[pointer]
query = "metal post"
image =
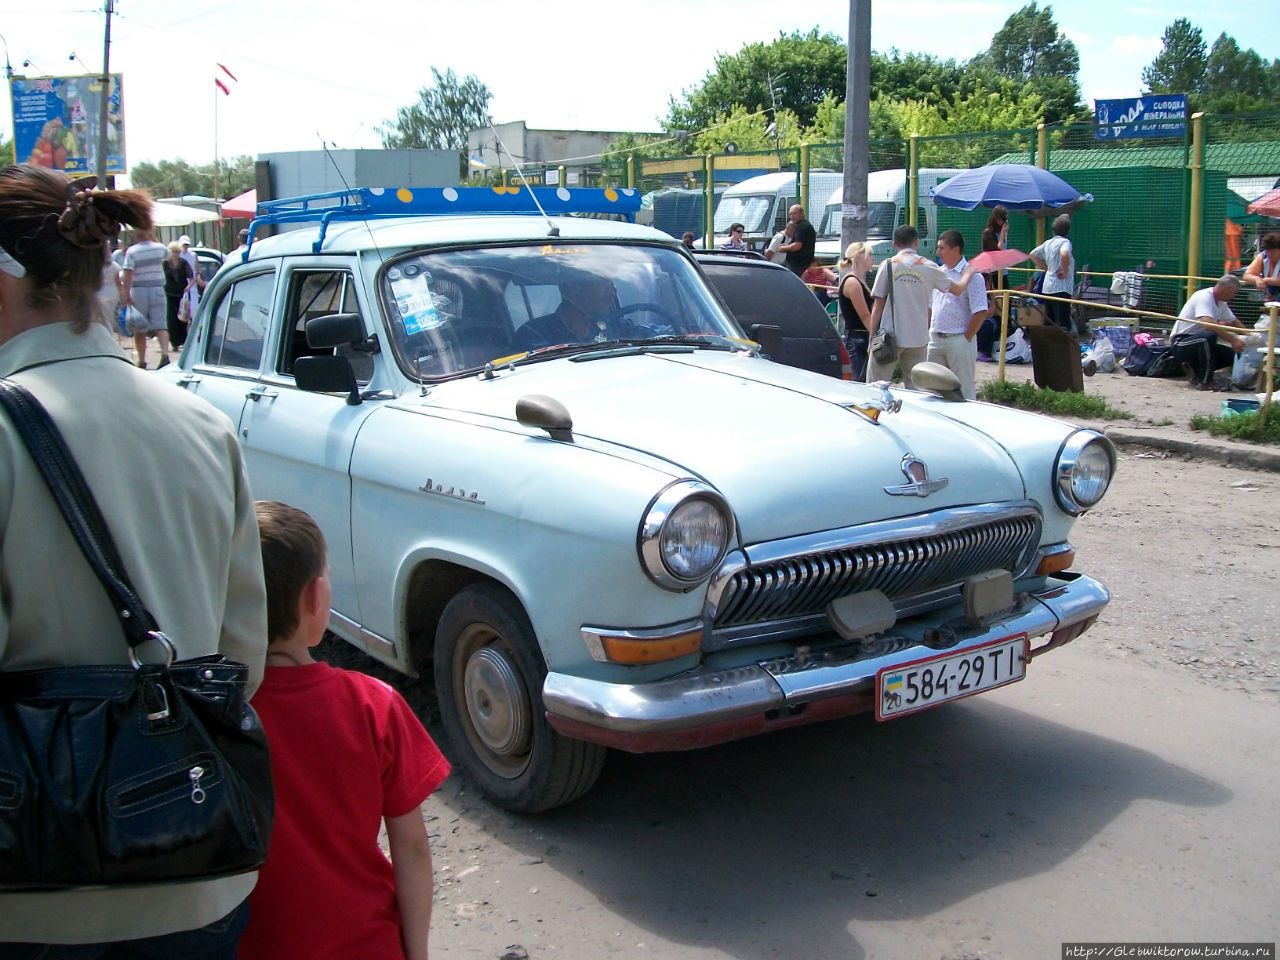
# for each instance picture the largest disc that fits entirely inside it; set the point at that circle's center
(1269, 366)
(857, 125)
(1042, 161)
(1197, 201)
(913, 178)
(1004, 333)
(103, 112)
(803, 181)
(708, 233)
(631, 170)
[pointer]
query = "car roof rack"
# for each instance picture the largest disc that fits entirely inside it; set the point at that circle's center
(380, 203)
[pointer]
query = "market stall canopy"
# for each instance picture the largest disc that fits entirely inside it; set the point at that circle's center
(1018, 186)
(1268, 204)
(243, 207)
(176, 215)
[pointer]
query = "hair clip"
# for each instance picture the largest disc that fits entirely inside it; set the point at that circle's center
(11, 266)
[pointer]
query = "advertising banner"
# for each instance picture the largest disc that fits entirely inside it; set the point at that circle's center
(55, 122)
(1155, 115)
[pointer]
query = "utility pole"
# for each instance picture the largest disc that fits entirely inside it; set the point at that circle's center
(857, 125)
(105, 97)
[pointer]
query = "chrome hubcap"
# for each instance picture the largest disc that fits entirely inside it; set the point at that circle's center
(499, 711)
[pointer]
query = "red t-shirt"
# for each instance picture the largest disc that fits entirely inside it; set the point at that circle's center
(346, 751)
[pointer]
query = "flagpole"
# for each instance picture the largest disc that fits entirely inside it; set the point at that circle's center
(215, 139)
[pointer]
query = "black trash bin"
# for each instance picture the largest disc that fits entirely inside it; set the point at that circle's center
(1055, 358)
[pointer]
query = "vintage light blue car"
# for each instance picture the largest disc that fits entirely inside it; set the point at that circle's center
(552, 474)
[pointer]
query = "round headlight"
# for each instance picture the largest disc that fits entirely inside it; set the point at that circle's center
(684, 535)
(1085, 466)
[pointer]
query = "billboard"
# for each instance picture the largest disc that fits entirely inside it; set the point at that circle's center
(1155, 115)
(55, 122)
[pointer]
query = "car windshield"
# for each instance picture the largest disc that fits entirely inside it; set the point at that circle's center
(454, 311)
(750, 210)
(880, 219)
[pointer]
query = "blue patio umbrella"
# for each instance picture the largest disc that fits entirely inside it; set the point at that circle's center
(1018, 186)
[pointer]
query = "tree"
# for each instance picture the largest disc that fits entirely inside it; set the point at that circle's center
(1237, 81)
(443, 116)
(6, 152)
(177, 178)
(917, 76)
(793, 72)
(1030, 49)
(1180, 67)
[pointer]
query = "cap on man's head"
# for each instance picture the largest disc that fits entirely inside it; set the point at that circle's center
(184, 240)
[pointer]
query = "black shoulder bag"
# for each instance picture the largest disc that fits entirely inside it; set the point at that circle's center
(135, 774)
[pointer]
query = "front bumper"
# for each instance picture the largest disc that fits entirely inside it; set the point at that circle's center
(819, 681)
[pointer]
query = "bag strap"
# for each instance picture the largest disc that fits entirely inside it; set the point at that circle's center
(76, 502)
(889, 264)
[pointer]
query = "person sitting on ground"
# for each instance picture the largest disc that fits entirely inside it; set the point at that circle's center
(347, 755)
(1200, 349)
(1264, 271)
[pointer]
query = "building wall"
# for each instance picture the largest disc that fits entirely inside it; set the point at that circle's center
(577, 147)
(302, 172)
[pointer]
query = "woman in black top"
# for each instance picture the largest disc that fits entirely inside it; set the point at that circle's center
(855, 303)
(177, 277)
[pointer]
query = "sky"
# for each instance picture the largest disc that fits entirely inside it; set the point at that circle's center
(329, 72)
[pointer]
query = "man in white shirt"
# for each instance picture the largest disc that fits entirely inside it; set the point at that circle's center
(772, 252)
(1203, 350)
(1058, 261)
(907, 314)
(955, 320)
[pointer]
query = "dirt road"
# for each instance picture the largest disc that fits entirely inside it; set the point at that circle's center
(1124, 791)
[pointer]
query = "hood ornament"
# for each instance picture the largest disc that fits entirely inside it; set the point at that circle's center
(918, 474)
(885, 403)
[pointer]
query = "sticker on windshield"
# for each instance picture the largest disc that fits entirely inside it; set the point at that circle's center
(415, 304)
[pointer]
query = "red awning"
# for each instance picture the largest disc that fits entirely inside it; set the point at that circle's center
(243, 207)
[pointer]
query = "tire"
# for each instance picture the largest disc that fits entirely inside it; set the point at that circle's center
(488, 677)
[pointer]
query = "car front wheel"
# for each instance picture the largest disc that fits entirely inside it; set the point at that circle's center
(488, 676)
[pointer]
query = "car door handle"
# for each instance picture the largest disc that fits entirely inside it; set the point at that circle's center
(188, 381)
(262, 393)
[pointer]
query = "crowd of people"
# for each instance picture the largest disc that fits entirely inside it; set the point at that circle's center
(222, 576)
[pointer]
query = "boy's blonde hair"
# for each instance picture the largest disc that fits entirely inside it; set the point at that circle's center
(293, 554)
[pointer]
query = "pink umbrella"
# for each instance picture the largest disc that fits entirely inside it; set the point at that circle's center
(990, 260)
(1268, 204)
(243, 207)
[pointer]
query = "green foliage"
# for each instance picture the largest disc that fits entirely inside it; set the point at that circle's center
(441, 119)
(1180, 67)
(828, 122)
(177, 178)
(917, 76)
(6, 152)
(1025, 395)
(750, 131)
(1032, 53)
(795, 72)
(1252, 427)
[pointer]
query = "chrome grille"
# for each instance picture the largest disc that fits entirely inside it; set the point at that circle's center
(799, 586)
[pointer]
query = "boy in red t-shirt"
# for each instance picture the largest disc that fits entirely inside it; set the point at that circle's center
(347, 753)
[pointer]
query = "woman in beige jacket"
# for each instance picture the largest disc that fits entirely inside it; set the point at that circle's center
(167, 471)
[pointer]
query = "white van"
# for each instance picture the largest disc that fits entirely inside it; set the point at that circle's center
(886, 211)
(760, 204)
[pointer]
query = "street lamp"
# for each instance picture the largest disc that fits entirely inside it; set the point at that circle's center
(8, 68)
(72, 56)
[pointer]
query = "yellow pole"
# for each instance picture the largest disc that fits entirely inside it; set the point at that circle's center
(804, 178)
(1042, 161)
(1270, 365)
(913, 179)
(1004, 332)
(1197, 198)
(631, 171)
(708, 233)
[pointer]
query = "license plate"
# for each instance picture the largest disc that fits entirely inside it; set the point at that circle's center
(926, 683)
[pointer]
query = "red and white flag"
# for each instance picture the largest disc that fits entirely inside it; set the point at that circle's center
(220, 82)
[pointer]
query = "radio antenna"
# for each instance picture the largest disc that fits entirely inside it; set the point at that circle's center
(552, 229)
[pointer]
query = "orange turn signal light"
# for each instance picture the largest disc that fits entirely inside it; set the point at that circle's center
(651, 649)
(1056, 562)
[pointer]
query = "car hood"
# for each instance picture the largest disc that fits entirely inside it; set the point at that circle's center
(784, 446)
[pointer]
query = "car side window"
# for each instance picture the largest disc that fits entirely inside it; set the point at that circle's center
(922, 221)
(239, 323)
(318, 293)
